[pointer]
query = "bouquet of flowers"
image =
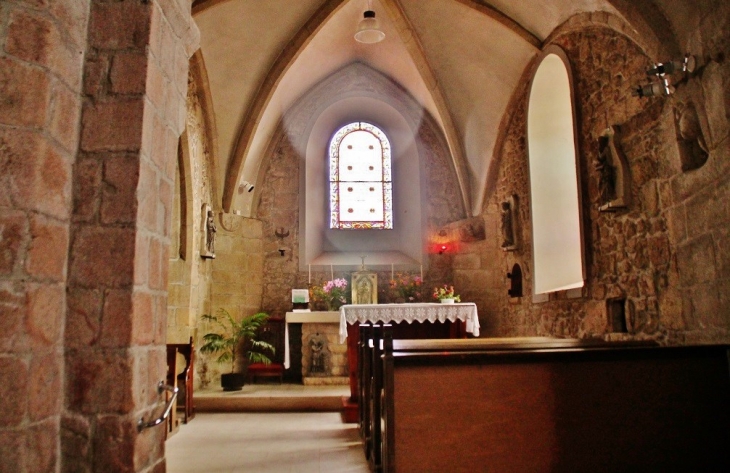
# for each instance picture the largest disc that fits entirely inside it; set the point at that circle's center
(333, 293)
(406, 288)
(445, 292)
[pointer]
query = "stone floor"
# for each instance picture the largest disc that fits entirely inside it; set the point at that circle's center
(315, 442)
(276, 390)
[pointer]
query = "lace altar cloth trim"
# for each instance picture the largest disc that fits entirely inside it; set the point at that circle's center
(361, 313)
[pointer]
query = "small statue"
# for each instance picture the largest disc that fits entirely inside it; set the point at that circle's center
(606, 173)
(507, 209)
(614, 175)
(210, 228)
(317, 346)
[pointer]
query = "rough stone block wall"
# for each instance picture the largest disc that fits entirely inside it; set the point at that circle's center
(236, 276)
(278, 211)
(40, 106)
(189, 274)
(237, 270)
(134, 83)
(664, 256)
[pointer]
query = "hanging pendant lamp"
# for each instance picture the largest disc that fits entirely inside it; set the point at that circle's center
(368, 31)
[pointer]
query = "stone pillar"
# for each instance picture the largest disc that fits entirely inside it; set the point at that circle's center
(135, 78)
(40, 102)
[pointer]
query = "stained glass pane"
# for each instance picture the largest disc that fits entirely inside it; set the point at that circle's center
(360, 178)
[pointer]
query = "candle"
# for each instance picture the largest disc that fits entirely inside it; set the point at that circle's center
(392, 276)
(421, 273)
(310, 274)
(332, 273)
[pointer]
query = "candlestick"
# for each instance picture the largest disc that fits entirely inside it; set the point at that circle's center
(421, 273)
(332, 273)
(310, 274)
(392, 277)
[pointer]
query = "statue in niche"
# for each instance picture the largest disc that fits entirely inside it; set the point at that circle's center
(508, 218)
(209, 231)
(693, 148)
(614, 178)
(606, 176)
(318, 348)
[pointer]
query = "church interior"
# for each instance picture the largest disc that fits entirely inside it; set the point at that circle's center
(563, 167)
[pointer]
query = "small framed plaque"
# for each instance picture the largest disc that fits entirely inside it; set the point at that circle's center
(300, 296)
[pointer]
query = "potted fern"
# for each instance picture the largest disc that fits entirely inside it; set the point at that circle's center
(234, 334)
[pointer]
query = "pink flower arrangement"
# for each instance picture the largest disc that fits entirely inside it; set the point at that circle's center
(333, 293)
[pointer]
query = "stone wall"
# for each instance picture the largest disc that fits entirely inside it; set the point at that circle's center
(189, 281)
(135, 70)
(663, 259)
(41, 65)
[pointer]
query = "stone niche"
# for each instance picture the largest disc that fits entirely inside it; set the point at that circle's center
(324, 358)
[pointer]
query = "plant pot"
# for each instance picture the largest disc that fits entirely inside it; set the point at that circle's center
(232, 381)
(447, 301)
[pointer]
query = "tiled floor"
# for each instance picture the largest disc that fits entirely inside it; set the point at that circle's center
(291, 442)
(266, 443)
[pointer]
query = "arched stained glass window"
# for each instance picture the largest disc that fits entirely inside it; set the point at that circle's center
(361, 189)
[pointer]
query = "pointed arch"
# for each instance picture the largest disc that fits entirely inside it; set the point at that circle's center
(266, 92)
(290, 53)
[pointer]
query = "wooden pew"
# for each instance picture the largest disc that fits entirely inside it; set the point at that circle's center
(185, 379)
(551, 405)
(370, 382)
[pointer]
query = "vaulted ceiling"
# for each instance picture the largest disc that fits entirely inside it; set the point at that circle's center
(460, 59)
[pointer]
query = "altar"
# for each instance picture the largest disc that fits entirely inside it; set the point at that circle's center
(417, 312)
(458, 319)
(323, 357)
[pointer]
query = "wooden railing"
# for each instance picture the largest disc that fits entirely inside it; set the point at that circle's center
(541, 404)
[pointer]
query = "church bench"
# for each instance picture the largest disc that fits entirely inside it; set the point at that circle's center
(182, 376)
(271, 370)
(546, 405)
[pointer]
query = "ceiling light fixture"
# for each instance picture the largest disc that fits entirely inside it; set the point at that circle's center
(368, 31)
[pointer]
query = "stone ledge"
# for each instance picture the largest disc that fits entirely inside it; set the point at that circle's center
(326, 380)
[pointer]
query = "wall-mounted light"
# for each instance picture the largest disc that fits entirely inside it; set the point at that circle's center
(245, 186)
(281, 233)
(662, 71)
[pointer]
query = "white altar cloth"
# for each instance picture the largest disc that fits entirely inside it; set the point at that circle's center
(422, 312)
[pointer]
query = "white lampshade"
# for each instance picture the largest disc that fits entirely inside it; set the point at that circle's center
(368, 31)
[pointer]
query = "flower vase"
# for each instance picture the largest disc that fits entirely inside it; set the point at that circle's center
(447, 300)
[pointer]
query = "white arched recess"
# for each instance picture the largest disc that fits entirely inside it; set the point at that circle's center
(359, 93)
(557, 235)
(403, 244)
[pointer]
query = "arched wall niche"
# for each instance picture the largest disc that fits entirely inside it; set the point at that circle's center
(555, 193)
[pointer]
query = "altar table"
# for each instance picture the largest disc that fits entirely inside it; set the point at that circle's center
(418, 312)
